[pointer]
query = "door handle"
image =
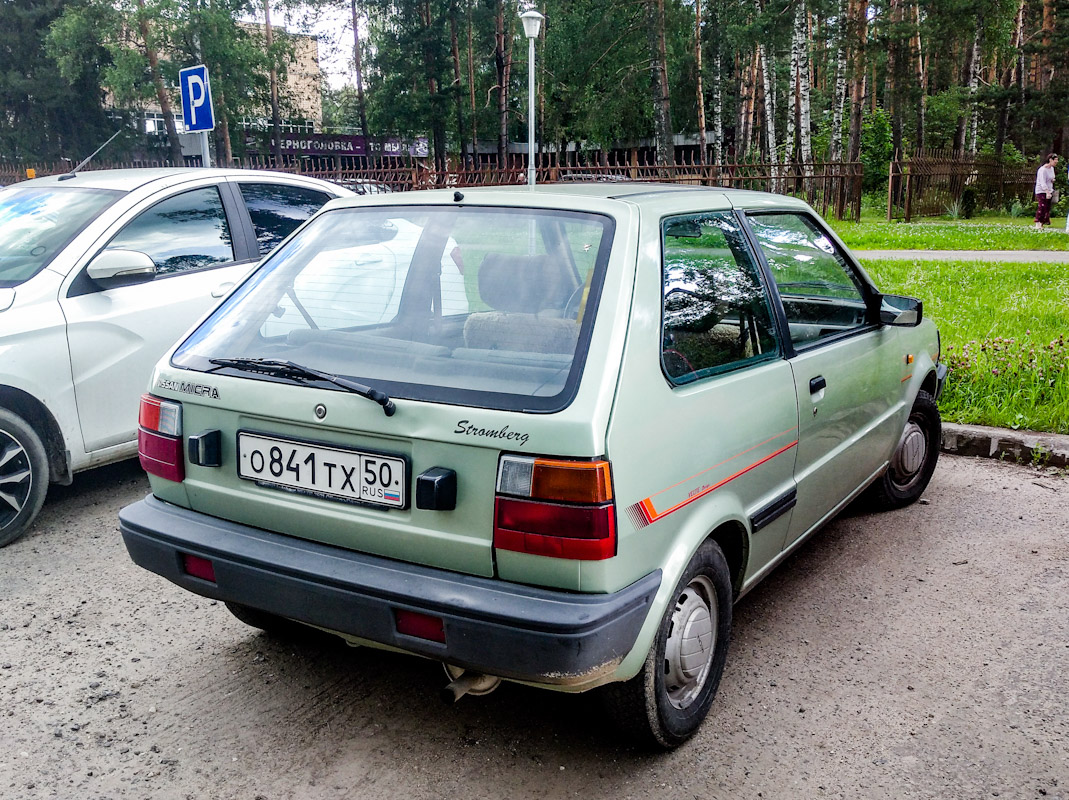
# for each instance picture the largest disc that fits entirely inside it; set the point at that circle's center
(817, 384)
(222, 289)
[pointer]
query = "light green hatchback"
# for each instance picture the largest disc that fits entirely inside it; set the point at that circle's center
(548, 435)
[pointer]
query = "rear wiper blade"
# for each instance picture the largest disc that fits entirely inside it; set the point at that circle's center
(296, 372)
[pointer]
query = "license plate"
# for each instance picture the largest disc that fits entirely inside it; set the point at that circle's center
(345, 474)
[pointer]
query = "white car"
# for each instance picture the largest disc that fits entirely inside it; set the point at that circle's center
(100, 273)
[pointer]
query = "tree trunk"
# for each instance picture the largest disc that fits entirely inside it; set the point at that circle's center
(974, 81)
(698, 72)
(805, 136)
(769, 87)
(1044, 59)
(922, 80)
(471, 91)
(857, 88)
(792, 91)
(718, 107)
(1010, 75)
(361, 105)
(454, 42)
(502, 58)
(276, 121)
(835, 149)
(662, 106)
(161, 92)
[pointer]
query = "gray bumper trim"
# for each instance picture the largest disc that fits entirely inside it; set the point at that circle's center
(499, 628)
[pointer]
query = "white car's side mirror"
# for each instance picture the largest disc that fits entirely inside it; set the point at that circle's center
(112, 268)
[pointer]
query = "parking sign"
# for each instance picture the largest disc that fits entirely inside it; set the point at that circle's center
(196, 99)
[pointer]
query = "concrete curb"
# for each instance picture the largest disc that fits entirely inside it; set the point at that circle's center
(1041, 449)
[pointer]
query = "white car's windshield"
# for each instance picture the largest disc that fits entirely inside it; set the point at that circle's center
(37, 222)
(487, 306)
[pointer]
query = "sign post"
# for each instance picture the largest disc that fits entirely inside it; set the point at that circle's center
(197, 106)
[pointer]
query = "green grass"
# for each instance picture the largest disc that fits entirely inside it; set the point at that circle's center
(1005, 330)
(983, 233)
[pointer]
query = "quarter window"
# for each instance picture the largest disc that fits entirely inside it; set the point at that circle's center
(716, 310)
(821, 295)
(184, 232)
(276, 210)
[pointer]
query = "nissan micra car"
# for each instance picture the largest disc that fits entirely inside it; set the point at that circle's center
(562, 469)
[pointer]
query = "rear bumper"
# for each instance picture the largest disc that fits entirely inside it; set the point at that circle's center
(505, 629)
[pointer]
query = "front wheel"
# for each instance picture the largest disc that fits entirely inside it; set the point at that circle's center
(23, 476)
(666, 702)
(914, 460)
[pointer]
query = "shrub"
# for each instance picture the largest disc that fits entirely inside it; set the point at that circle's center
(1016, 209)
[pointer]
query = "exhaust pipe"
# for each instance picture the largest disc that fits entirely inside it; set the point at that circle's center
(464, 682)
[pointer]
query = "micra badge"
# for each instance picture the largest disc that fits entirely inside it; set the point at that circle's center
(198, 389)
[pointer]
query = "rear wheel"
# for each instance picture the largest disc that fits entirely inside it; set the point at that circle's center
(23, 476)
(665, 703)
(914, 460)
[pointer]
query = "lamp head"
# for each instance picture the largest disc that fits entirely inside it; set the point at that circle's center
(532, 23)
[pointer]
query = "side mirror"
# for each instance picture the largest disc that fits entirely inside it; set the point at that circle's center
(900, 311)
(113, 268)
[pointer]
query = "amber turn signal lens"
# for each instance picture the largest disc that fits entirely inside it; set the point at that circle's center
(571, 481)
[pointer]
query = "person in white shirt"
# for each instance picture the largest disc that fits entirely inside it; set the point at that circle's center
(1045, 190)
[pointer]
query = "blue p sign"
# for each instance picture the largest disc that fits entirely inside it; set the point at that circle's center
(196, 99)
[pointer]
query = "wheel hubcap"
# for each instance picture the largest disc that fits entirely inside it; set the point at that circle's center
(911, 454)
(15, 480)
(688, 653)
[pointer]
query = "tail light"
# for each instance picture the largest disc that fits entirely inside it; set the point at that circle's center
(562, 509)
(159, 438)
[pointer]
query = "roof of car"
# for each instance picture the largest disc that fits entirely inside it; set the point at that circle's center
(127, 180)
(634, 192)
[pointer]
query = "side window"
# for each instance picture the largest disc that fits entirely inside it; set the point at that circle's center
(821, 294)
(716, 310)
(276, 210)
(184, 232)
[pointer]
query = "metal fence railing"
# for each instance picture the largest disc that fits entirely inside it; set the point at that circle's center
(933, 183)
(833, 188)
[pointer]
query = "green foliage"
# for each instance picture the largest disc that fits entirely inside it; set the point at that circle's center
(1016, 209)
(981, 234)
(875, 149)
(44, 116)
(1004, 333)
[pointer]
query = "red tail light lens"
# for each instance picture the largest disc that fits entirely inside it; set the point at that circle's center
(159, 438)
(561, 509)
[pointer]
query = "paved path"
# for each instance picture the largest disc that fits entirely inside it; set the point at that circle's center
(1051, 256)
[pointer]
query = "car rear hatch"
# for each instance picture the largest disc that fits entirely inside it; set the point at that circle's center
(478, 326)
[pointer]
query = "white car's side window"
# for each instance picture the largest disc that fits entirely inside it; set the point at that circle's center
(184, 232)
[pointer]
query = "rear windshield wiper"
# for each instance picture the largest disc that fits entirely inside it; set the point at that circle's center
(295, 372)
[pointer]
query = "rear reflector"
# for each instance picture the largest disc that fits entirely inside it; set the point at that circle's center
(161, 455)
(422, 626)
(198, 567)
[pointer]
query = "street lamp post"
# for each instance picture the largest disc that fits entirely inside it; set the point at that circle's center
(532, 23)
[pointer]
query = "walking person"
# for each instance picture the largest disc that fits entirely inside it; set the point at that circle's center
(1045, 190)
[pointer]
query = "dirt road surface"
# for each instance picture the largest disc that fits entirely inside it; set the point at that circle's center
(918, 654)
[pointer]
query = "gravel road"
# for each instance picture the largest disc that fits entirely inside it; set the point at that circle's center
(918, 654)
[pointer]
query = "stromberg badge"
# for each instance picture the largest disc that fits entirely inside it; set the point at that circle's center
(321, 411)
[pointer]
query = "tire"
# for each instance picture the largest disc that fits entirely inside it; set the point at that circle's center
(667, 701)
(23, 476)
(271, 624)
(914, 459)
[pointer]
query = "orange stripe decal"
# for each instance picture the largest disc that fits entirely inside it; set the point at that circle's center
(643, 513)
(906, 378)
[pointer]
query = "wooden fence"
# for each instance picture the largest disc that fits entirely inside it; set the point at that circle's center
(832, 188)
(934, 183)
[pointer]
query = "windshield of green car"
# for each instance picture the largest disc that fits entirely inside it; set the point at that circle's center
(469, 305)
(37, 222)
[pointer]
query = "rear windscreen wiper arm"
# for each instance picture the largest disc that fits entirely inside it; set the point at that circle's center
(287, 369)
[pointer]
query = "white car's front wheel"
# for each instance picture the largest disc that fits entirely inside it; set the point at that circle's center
(23, 476)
